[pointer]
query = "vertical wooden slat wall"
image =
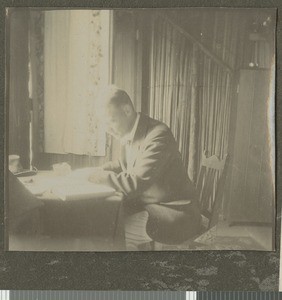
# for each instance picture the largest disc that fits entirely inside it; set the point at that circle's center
(18, 96)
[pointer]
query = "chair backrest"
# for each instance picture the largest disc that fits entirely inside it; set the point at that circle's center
(210, 185)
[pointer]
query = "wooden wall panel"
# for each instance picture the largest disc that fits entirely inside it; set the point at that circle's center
(126, 55)
(266, 183)
(251, 196)
(18, 97)
(127, 60)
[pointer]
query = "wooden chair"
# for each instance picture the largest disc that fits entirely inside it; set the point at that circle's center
(174, 222)
(210, 185)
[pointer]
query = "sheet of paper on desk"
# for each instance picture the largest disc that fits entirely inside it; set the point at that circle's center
(34, 185)
(80, 191)
(83, 173)
(48, 180)
(36, 189)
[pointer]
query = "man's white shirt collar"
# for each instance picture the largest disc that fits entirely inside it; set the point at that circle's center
(130, 136)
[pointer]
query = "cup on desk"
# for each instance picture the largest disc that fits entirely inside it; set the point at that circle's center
(14, 163)
(61, 169)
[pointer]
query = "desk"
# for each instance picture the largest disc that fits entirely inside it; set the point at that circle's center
(97, 222)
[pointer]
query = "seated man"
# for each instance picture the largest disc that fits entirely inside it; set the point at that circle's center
(149, 173)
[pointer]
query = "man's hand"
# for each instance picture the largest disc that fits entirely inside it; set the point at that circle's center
(101, 177)
(112, 166)
(118, 196)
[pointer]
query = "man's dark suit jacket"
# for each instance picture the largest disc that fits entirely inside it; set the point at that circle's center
(158, 174)
(157, 183)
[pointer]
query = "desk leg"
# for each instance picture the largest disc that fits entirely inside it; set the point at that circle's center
(119, 235)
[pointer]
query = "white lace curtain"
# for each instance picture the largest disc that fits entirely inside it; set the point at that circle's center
(76, 64)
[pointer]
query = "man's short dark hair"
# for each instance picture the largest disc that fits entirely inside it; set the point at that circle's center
(116, 96)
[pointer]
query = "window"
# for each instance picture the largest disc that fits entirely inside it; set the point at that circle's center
(76, 65)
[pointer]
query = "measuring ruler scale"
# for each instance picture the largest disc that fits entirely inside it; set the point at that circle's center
(135, 295)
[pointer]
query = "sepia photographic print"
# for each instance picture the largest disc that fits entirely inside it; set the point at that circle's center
(140, 129)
